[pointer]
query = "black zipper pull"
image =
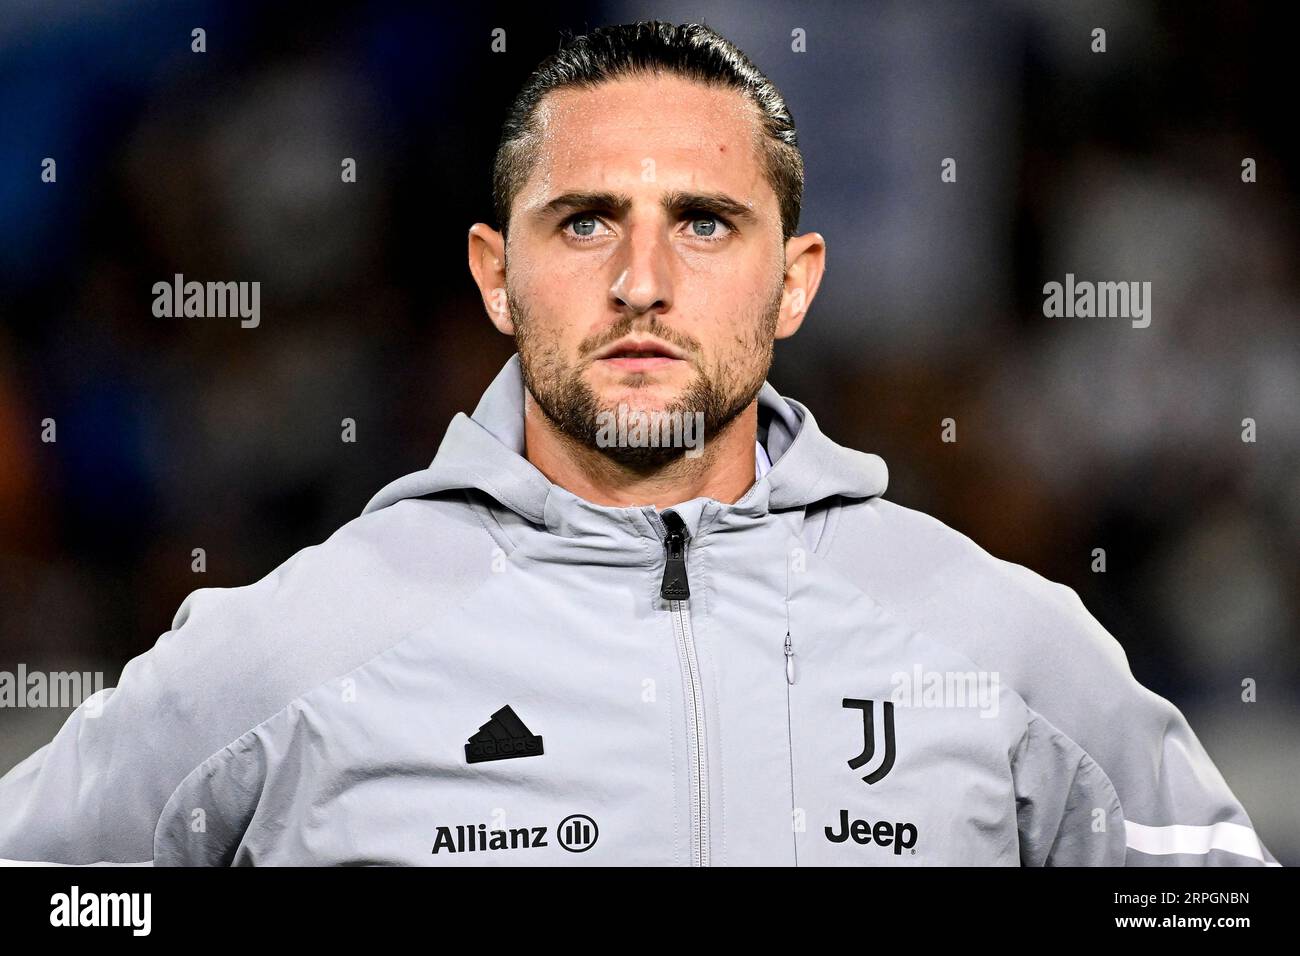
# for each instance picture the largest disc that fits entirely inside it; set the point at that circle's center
(675, 586)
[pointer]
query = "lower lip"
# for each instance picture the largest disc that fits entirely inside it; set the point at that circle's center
(640, 364)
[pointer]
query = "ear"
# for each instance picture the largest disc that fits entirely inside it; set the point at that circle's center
(487, 262)
(805, 258)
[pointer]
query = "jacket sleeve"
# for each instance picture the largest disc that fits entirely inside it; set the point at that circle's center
(1067, 811)
(90, 794)
(1178, 810)
(1177, 807)
(95, 792)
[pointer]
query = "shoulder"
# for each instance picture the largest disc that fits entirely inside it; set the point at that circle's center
(233, 659)
(1002, 614)
(904, 546)
(1035, 634)
(372, 555)
(236, 656)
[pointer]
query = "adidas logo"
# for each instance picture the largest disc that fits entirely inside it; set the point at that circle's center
(502, 737)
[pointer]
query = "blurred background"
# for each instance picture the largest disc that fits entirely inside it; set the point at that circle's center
(1073, 434)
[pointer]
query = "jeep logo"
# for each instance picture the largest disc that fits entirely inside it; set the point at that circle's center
(901, 836)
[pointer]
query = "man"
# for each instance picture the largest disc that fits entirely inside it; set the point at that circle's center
(639, 610)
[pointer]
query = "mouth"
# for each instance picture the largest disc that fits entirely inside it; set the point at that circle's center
(638, 355)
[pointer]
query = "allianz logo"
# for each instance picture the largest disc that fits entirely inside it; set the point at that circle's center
(576, 833)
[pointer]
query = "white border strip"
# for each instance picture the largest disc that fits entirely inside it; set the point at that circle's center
(1183, 838)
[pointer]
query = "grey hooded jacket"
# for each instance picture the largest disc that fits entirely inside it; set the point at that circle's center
(483, 668)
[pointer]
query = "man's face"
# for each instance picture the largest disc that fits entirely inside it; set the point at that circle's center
(645, 259)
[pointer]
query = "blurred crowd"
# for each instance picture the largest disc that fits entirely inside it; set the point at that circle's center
(1073, 434)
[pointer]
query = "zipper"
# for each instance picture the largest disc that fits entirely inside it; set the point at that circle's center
(789, 729)
(676, 590)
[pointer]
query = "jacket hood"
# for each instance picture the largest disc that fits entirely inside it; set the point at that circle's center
(484, 451)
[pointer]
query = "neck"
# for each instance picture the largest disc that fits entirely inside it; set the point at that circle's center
(723, 471)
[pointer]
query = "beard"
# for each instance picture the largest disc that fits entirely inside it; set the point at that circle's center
(714, 397)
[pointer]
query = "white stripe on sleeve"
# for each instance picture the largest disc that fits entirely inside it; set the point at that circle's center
(1184, 838)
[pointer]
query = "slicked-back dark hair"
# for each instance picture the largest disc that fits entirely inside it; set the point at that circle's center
(691, 51)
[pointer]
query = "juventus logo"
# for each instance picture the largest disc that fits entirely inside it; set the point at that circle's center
(869, 731)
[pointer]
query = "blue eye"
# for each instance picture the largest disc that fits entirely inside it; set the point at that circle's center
(584, 226)
(706, 226)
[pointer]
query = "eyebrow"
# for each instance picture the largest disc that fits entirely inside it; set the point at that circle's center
(675, 203)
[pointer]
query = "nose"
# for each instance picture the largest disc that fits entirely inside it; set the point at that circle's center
(644, 280)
